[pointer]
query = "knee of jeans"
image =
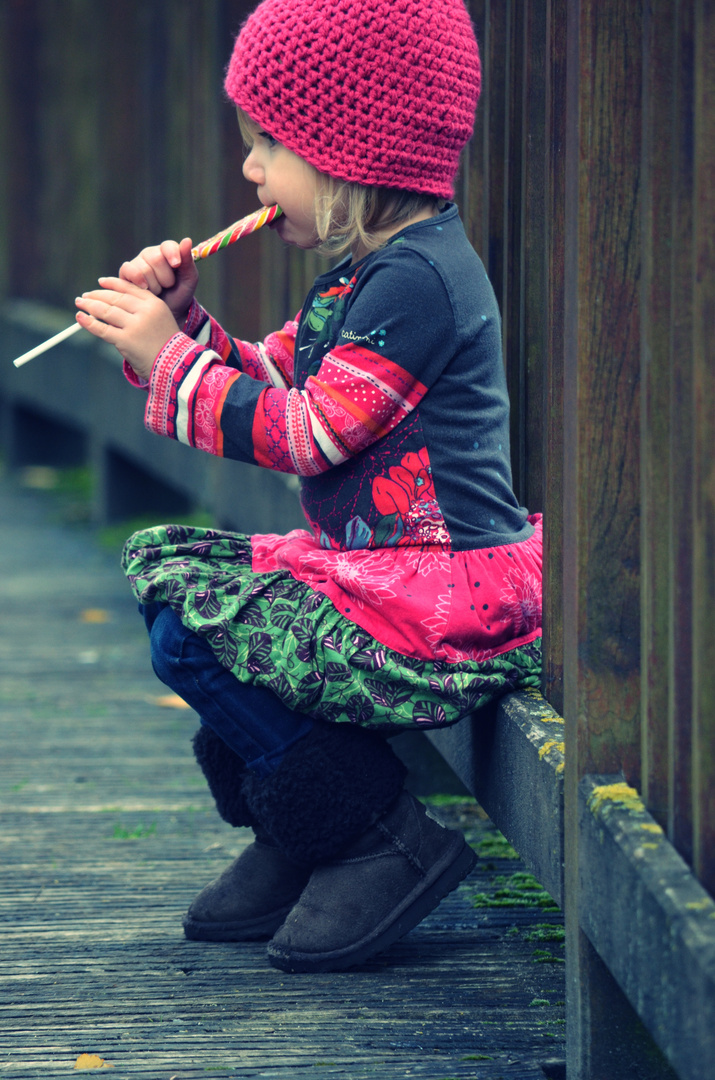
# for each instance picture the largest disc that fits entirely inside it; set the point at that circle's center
(151, 612)
(167, 637)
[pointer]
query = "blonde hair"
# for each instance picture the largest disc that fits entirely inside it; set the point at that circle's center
(351, 215)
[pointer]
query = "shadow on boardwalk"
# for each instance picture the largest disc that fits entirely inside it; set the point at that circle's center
(107, 832)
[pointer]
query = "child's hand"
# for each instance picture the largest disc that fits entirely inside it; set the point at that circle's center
(169, 272)
(132, 319)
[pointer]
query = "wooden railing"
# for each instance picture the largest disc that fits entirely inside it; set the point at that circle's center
(589, 191)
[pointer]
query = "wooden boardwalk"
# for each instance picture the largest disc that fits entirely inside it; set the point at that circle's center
(107, 832)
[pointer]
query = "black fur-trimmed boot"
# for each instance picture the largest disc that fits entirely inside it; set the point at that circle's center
(377, 889)
(329, 788)
(253, 895)
(382, 862)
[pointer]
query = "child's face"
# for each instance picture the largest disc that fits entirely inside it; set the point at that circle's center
(284, 178)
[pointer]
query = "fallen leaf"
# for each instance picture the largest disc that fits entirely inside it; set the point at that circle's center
(94, 615)
(169, 701)
(92, 1061)
(40, 477)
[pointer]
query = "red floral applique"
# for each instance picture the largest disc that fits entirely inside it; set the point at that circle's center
(406, 500)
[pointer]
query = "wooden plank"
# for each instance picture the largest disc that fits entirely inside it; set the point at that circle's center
(69, 225)
(244, 299)
(552, 390)
(659, 32)
(704, 505)
(536, 231)
(680, 670)
(513, 291)
(120, 144)
(95, 962)
(601, 475)
(602, 384)
(191, 110)
(5, 144)
(496, 61)
(20, 47)
(473, 191)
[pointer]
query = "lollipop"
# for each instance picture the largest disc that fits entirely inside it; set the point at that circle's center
(234, 232)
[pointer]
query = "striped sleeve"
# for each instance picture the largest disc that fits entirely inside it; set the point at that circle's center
(354, 399)
(269, 361)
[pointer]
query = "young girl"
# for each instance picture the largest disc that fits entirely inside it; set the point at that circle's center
(414, 597)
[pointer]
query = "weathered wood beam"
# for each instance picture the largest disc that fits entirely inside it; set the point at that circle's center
(651, 921)
(645, 920)
(512, 758)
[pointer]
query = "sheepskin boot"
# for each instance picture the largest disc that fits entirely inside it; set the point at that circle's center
(224, 771)
(375, 891)
(253, 895)
(382, 861)
(328, 789)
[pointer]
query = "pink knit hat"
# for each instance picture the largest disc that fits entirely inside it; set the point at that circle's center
(382, 92)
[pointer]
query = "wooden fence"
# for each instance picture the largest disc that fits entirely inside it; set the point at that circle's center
(589, 191)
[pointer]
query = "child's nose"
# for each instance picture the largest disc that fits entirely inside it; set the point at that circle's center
(252, 169)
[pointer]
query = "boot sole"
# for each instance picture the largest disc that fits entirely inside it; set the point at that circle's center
(405, 919)
(250, 930)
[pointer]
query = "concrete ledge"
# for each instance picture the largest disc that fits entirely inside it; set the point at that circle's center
(650, 920)
(72, 405)
(511, 757)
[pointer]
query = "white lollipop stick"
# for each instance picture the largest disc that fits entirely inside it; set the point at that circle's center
(251, 223)
(47, 344)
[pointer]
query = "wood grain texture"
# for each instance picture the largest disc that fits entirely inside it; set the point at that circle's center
(703, 756)
(679, 674)
(601, 601)
(658, 83)
(552, 389)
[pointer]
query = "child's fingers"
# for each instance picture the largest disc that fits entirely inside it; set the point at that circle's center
(120, 285)
(179, 258)
(171, 252)
(151, 268)
(142, 270)
(134, 320)
(186, 246)
(162, 268)
(139, 274)
(116, 301)
(100, 329)
(104, 311)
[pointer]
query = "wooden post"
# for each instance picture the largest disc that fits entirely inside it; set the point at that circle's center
(678, 673)
(704, 387)
(601, 479)
(552, 389)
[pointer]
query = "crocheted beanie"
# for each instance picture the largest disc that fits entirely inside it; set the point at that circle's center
(382, 92)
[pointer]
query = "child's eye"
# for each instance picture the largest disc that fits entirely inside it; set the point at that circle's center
(268, 138)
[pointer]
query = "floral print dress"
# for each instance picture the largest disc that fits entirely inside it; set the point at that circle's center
(414, 596)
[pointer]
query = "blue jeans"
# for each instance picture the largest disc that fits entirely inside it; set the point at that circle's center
(250, 719)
